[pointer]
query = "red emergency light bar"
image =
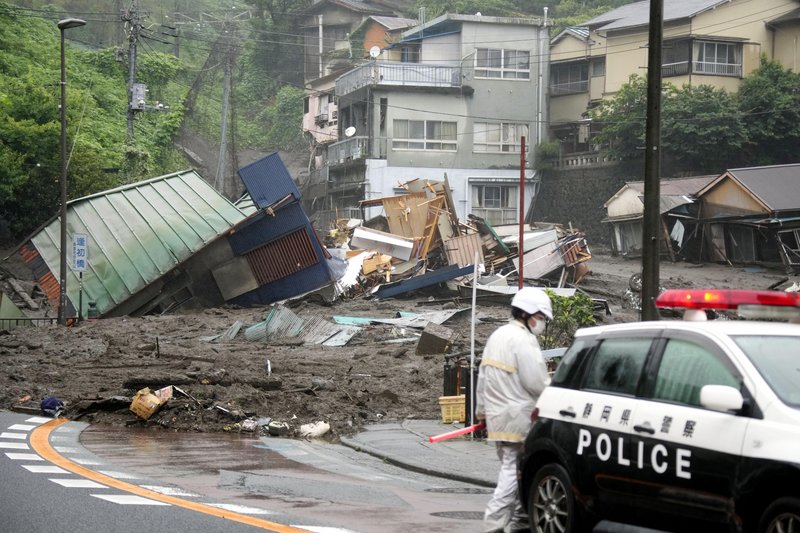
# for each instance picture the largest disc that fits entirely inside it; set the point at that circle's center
(725, 298)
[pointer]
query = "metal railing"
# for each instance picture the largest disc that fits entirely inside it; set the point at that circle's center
(355, 149)
(675, 69)
(718, 69)
(8, 323)
(398, 74)
(571, 87)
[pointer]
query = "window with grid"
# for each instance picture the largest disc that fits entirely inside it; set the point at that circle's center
(502, 63)
(496, 204)
(569, 78)
(498, 136)
(424, 135)
(719, 59)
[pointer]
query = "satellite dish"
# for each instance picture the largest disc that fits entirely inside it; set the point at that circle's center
(374, 52)
(349, 132)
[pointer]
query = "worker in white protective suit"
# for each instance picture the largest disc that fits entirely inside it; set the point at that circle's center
(512, 375)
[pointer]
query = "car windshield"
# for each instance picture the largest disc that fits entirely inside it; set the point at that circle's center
(778, 360)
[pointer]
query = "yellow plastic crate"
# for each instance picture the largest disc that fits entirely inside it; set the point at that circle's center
(453, 408)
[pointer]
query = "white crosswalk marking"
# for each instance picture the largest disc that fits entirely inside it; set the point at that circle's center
(127, 499)
(78, 483)
(118, 475)
(38, 420)
(7, 435)
(45, 469)
(21, 427)
(14, 445)
(23, 456)
(171, 491)
(242, 509)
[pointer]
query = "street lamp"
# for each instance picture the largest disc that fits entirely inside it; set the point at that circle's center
(62, 301)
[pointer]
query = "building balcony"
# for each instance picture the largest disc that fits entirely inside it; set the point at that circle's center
(701, 67)
(412, 75)
(356, 149)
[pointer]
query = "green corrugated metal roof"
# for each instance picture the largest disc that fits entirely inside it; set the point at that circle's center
(136, 234)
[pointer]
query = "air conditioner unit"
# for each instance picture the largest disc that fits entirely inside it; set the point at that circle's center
(322, 118)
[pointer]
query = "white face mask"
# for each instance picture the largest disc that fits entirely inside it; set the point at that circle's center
(538, 326)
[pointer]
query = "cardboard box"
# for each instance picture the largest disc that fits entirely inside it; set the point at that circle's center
(145, 403)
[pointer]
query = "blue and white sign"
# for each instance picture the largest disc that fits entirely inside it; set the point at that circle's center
(80, 252)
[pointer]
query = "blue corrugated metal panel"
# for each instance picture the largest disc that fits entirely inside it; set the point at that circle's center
(304, 281)
(137, 233)
(268, 181)
(263, 228)
(425, 280)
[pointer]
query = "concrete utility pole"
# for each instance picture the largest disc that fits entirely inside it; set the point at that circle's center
(652, 167)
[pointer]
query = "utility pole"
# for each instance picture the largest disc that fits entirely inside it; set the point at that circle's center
(132, 18)
(652, 167)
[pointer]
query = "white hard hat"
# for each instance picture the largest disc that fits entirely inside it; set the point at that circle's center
(532, 301)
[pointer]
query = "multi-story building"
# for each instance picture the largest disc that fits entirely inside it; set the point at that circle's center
(713, 42)
(451, 98)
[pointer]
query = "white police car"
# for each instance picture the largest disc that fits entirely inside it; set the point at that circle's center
(686, 425)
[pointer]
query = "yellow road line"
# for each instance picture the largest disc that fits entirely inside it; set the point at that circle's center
(40, 442)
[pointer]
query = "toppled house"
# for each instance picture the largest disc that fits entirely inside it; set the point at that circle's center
(751, 215)
(173, 241)
(679, 211)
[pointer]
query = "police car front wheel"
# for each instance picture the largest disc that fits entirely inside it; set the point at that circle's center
(551, 504)
(782, 515)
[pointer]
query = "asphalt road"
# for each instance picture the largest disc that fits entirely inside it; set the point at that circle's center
(150, 480)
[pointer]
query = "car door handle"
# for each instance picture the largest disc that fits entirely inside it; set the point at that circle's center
(644, 428)
(568, 412)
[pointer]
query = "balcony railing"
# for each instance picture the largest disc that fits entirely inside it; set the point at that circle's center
(398, 74)
(356, 149)
(572, 87)
(717, 69)
(675, 69)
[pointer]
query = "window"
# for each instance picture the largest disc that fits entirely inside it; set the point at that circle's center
(599, 67)
(720, 59)
(502, 63)
(685, 368)
(424, 135)
(495, 203)
(498, 137)
(675, 58)
(569, 78)
(409, 54)
(617, 365)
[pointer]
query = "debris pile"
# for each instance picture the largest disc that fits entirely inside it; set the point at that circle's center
(418, 242)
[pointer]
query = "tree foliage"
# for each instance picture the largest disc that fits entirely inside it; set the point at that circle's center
(769, 98)
(705, 129)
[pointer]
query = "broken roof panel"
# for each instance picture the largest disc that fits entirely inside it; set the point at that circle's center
(268, 181)
(136, 234)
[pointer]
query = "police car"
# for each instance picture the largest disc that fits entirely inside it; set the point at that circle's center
(677, 425)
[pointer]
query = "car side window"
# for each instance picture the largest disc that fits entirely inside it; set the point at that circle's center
(617, 365)
(685, 368)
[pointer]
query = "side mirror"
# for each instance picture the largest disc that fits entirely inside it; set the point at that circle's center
(721, 398)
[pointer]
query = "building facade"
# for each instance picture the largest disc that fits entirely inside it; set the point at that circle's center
(450, 99)
(712, 42)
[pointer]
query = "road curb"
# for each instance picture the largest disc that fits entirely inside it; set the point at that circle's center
(415, 467)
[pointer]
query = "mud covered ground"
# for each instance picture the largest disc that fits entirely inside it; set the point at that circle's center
(97, 366)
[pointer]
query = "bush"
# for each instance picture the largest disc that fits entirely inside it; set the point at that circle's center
(569, 314)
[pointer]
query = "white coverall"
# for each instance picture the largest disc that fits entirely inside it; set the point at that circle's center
(512, 375)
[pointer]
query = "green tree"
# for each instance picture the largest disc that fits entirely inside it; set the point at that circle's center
(283, 118)
(769, 98)
(702, 129)
(622, 120)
